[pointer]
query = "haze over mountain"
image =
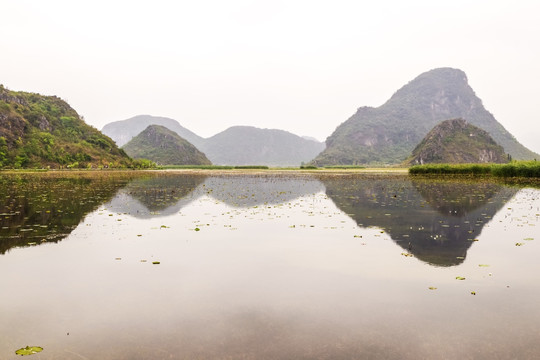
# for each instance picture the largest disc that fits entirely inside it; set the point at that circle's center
(389, 133)
(124, 130)
(456, 141)
(164, 147)
(40, 131)
(237, 145)
(247, 145)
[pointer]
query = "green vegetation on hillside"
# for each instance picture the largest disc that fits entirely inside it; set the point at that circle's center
(39, 131)
(165, 147)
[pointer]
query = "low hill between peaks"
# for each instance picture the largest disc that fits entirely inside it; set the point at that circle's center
(248, 145)
(164, 147)
(456, 141)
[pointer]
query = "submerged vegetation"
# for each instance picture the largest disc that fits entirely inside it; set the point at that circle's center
(529, 169)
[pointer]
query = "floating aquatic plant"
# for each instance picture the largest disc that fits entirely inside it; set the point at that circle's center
(29, 350)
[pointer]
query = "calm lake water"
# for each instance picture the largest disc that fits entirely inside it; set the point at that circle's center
(268, 267)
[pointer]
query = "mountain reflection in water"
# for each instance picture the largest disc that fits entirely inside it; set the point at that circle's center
(36, 208)
(436, 220)
(267, 266)
(167, 195)
(160, 195)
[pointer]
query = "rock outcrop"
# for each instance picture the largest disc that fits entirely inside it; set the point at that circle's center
(455, 141)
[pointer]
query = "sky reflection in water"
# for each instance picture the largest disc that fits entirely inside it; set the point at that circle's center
(280, 267)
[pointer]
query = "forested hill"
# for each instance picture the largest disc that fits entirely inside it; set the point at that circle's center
(164, 147)
(39, 131)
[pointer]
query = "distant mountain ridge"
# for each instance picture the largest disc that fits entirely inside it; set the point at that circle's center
(388, 134)
(124, 130)
(39, 131)
(237, 145)
(164, 147)
(248, 145)
(455, 141)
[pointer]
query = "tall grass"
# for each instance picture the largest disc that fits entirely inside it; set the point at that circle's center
(517, 169)
(513, 169)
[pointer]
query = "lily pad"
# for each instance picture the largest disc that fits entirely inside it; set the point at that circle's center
(29, 350)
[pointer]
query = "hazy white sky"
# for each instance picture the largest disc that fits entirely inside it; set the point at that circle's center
(299, 65)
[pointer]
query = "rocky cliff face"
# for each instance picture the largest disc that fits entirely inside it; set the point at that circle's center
(456, 141)
(388, 134)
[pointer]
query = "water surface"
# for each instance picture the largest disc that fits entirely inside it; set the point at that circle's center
(268, 267)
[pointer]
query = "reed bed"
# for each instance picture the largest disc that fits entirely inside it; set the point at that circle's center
(512, 169)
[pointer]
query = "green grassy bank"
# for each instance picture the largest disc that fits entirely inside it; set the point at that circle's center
(529, 169)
